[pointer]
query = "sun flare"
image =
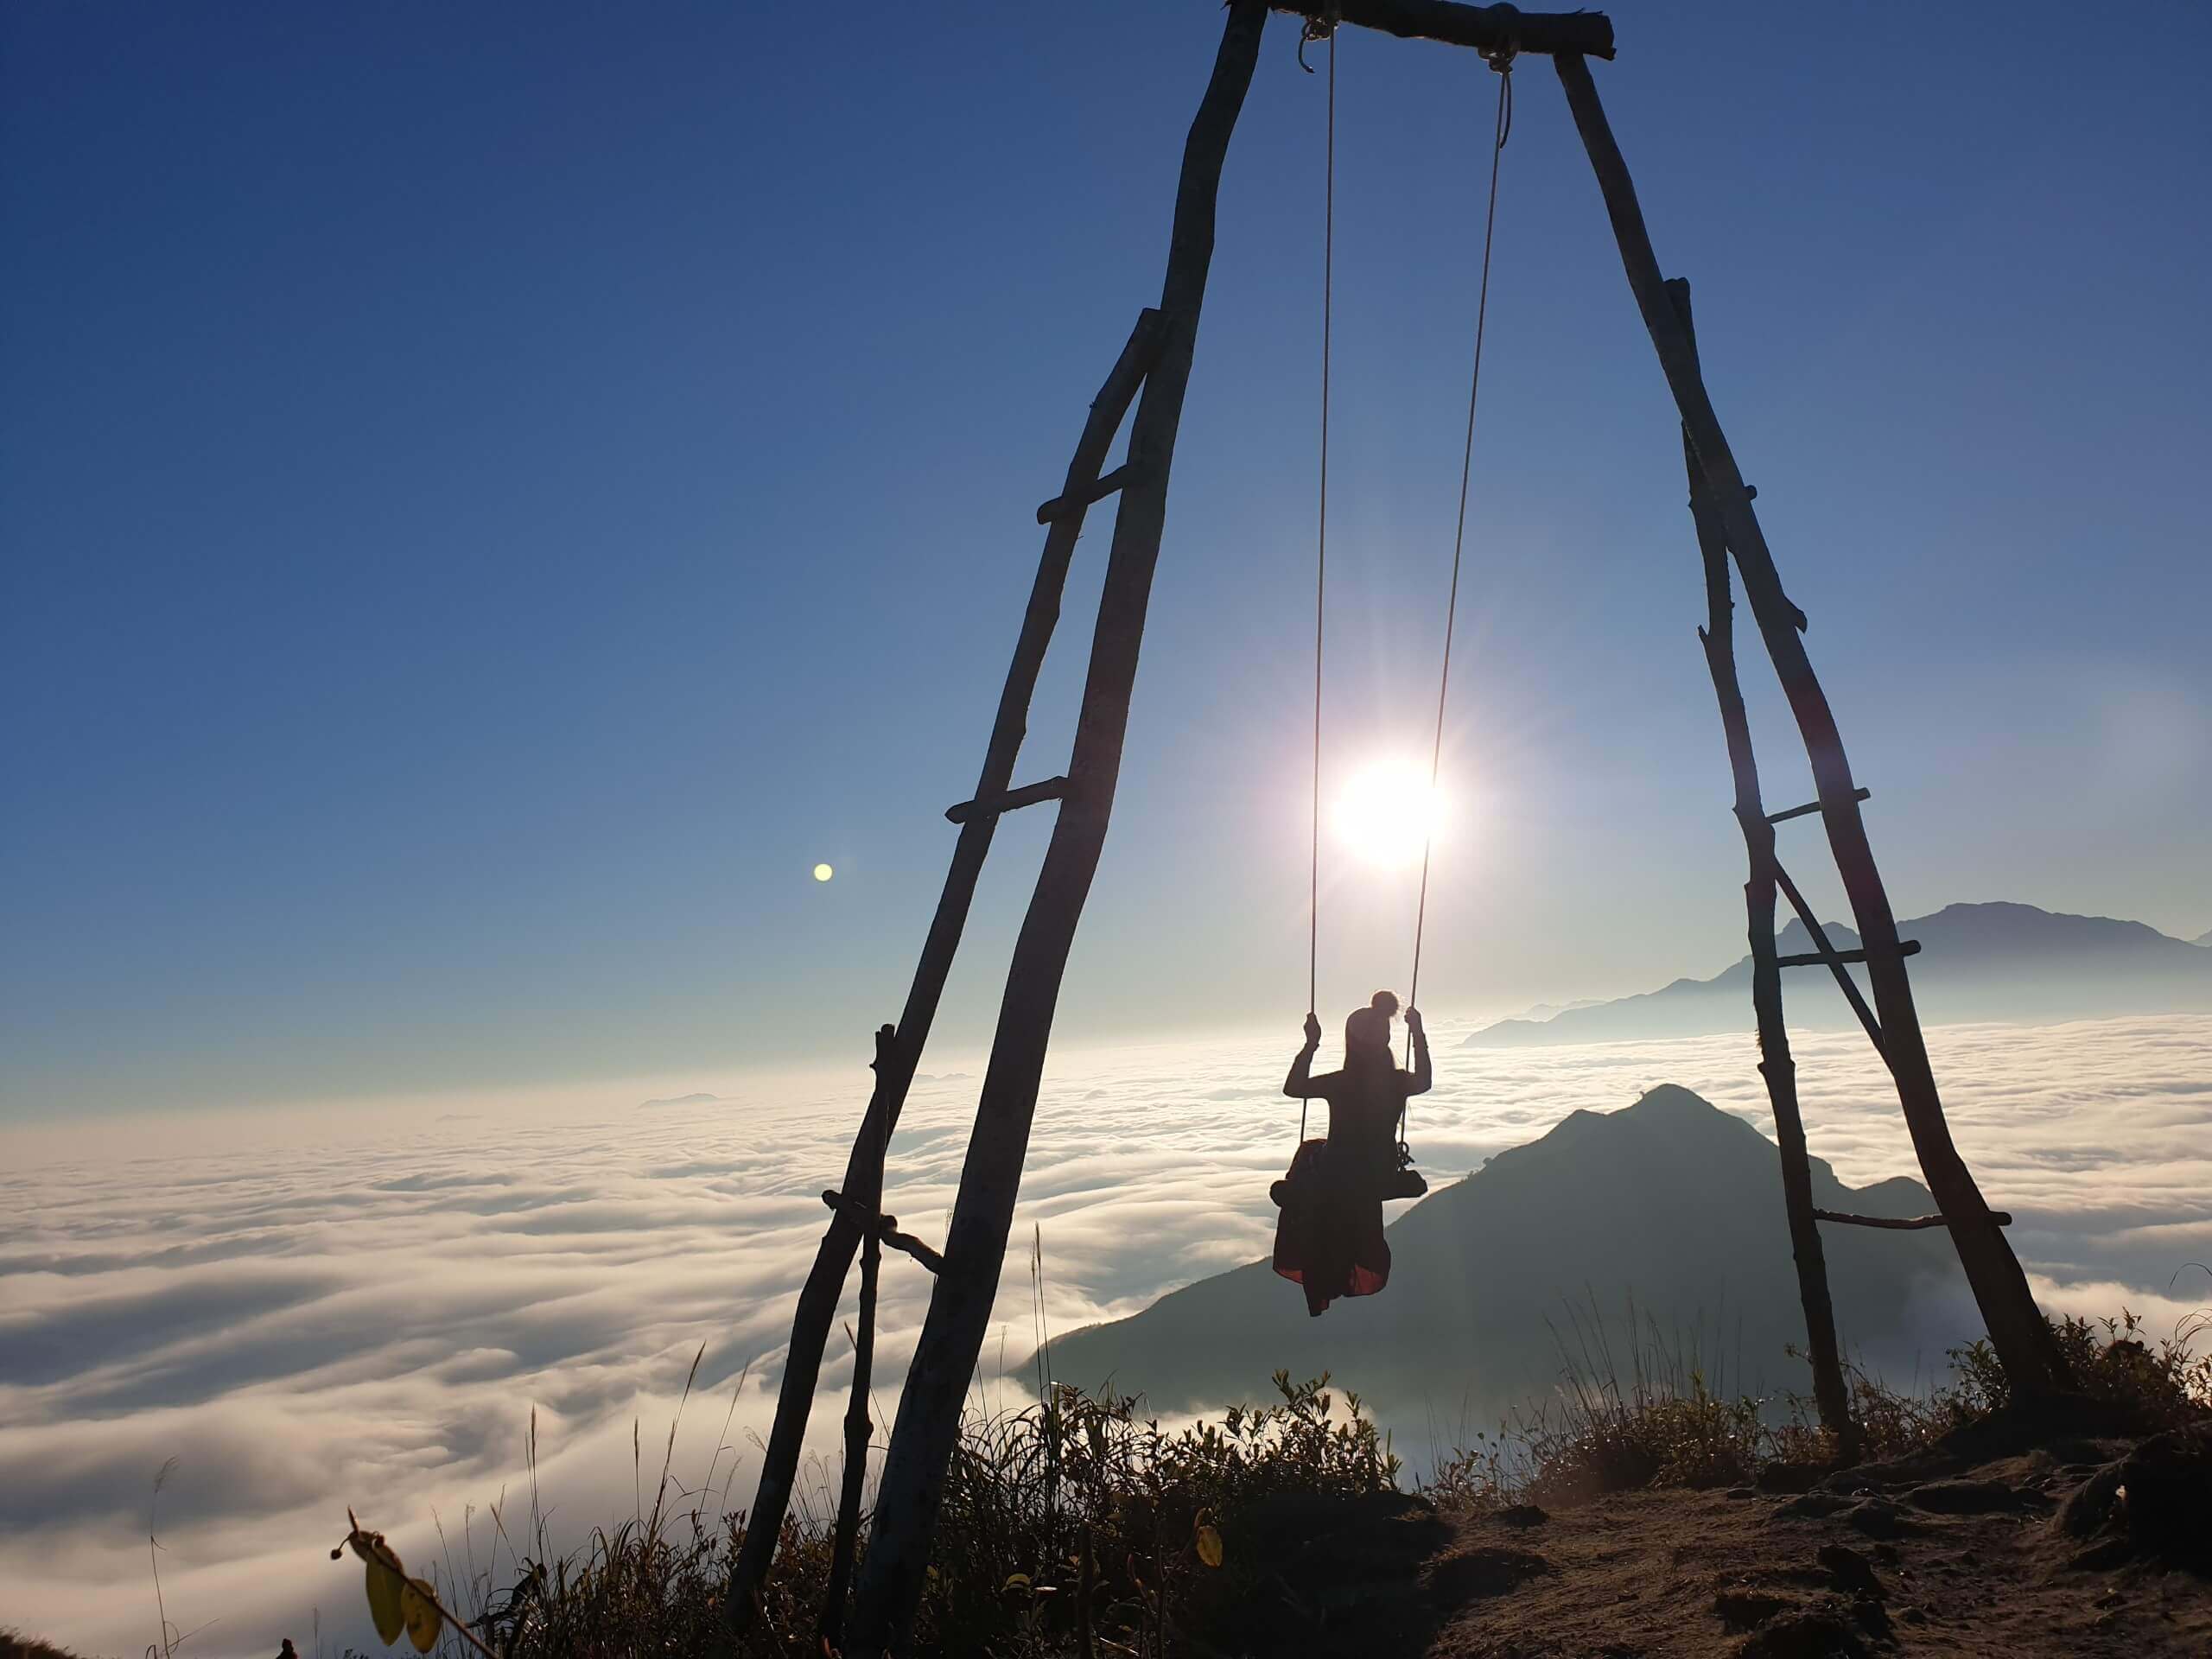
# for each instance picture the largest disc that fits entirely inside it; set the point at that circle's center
(1387, 813)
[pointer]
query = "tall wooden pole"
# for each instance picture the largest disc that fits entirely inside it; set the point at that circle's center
(2017, 1329)
(896, 1061)
(845, 1541)
(1776, 1063)
(952, 1337)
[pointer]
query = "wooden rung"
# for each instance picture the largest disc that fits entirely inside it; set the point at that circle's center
(1060, 506)
(1821, 959)
(1812, 807)
(914, 1247)
(1896, 1224)
(886, 1228)
(1029, 795)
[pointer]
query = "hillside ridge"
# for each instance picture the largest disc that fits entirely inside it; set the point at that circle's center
(1995, 960)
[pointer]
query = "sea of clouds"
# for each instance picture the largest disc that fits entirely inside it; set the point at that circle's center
(369, 1315)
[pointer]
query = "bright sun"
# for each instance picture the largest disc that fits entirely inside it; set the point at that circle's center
(1388, 812)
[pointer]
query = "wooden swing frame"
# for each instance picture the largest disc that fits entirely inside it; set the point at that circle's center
(1153, 373)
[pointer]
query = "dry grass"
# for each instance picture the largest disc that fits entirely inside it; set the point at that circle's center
(1079, 1505)
(1659, 1415)
(15, 1645)
(1076, 1504)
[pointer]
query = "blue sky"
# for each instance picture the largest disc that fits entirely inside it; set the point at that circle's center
(492, 495)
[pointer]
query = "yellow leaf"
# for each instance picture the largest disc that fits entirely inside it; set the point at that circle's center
(1209, 1542)
(422, 1618)
(383, 1601)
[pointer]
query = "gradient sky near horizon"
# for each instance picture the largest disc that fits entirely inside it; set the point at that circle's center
(492, 495)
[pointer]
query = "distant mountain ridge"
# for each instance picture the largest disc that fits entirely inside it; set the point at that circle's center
(1671, 1202)
(1978, 962)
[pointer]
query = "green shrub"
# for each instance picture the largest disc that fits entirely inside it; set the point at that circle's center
(2106, 1359)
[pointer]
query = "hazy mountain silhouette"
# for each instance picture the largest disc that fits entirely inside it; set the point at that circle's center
(1978, 962)
(2205, 938)
(1670, 1201)
(1548, 1010)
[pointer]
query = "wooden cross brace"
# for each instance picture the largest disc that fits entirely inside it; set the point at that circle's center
(1902, 1224)
(885, 1228)
(1489, 30)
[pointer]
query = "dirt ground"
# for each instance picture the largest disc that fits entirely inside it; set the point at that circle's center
(1966, 1560)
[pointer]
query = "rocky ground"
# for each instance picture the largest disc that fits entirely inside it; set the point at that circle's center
(2078, 1547)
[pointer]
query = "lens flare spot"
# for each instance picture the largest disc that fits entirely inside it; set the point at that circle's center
(1388, 812)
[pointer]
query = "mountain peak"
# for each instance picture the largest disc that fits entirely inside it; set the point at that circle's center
(1670, 1204)
(1671, 1101)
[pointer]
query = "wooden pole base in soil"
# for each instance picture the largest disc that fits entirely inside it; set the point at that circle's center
(2017, 1329)
(952, 1336)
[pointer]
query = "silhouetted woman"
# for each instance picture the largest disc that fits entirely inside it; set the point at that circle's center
(1329, 1238)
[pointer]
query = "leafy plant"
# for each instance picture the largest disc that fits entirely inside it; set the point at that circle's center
(397, 1603)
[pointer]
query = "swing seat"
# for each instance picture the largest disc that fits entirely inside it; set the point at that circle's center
(1403, 1182)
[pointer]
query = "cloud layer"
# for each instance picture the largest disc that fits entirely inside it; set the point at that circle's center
(372, 1322)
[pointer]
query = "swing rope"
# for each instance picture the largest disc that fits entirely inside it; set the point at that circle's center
(1321, 554)
(1502, 62)
(1502, 128)
(1321, 557)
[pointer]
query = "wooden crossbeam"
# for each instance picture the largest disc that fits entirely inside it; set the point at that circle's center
(1829, 958)
(1049, 789)
(1487, 28)
(1861, 794)
(1060, 506)
(1903, 1224)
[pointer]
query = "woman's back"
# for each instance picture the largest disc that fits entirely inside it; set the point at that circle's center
(1364, 1104)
